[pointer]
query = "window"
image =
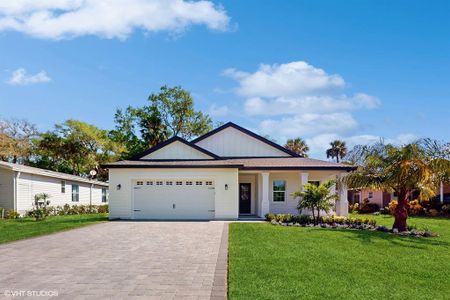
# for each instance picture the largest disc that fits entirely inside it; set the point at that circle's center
(188, 182)
(168, 182)
(279, 190)
(314, 182)
(104, 195)
(208, 183)
(370, 195)
(198, 183)
(140, 183)
(63, 186)
(179, 183)
(149, 182)
(75, 193)
(159, 183)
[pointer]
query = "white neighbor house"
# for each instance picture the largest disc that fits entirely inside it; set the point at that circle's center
(19, 184)
(224, 174)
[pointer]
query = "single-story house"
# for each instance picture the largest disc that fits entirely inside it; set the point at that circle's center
(224, 174)
(19, 184)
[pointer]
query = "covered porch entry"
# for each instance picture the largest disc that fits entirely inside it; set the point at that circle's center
(264, 191)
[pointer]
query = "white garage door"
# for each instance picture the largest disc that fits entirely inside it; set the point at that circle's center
(173, 199)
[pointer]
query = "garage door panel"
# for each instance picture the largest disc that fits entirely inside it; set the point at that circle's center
(180, 199)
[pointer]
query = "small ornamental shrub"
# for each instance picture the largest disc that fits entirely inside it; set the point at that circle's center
(446, 209)
(392, 206)
(368, 208)
(414, 208)
(12, 214)
(353, 208)
(433, 212)
(270, 217)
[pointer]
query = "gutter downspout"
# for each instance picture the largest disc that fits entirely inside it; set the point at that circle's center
(15, 188)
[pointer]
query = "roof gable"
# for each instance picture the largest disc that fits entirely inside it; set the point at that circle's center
(176, 148)
(231, 140)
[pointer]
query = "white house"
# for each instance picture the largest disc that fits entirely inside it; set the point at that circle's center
(19, 184)
(224, 174)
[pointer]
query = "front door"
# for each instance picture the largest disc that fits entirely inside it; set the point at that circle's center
(244, 198)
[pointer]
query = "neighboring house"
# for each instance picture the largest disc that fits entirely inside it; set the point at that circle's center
(19, 184)
(380, 198)
(224, 174)
(383, 198)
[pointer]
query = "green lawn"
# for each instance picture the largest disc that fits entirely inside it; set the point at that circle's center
(275, 262)
(11, 230)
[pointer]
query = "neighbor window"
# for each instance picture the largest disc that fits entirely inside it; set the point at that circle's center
(75, 193)
(279, 190)
(63, 186)
(370, 195)
(314, 182)
(104, 195)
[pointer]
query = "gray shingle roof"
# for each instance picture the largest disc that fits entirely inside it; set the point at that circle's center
(281, 163)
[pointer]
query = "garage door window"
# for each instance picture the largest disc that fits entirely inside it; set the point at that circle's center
(198, 183)
(179, 183)
(188, 182)
(140, 183)
(208, 183)
(168, 182)
(149, 182)
(159, 183)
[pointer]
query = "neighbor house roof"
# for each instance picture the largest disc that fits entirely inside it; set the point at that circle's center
(48, 173)
(271, 163)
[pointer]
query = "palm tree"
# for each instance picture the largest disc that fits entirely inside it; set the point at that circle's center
(338, 150)
(298, 146)
(403, 170)
(316, 198)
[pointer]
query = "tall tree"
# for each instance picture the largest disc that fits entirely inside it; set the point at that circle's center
(298, 146)
(338, 150)
(176, 108)
(16, 140)
(403, 170)
(76, 147)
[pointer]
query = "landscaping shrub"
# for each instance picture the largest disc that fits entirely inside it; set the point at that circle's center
(392, 206)
(414, 208)
(353, 207)
(67, 209)
(367, 207)
(446, 209)
(12, 214)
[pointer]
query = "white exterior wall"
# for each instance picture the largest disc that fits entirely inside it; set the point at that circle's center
(293, 184)
(6, 189)
(121, 201)
(231, 142)
(29, 185)
(176, 150)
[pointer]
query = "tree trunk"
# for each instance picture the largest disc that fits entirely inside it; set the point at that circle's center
(314, 216)
(318, 216)
(401, 213)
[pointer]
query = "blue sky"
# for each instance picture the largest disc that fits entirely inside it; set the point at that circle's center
(356, 70)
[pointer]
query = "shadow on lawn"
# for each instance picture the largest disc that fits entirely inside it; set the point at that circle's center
(367, 237)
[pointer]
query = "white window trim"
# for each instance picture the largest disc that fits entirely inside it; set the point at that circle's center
(285, 190)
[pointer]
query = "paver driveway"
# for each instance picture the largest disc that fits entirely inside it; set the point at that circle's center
(145, 260)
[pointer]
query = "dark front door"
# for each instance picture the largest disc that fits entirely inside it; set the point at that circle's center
(244, 198)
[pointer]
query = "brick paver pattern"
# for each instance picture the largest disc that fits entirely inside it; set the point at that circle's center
(119, 260)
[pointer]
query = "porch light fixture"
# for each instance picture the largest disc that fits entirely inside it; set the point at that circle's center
(118, 187)
(226, 187)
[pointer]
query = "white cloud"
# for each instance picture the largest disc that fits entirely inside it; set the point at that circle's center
(298, 99)
(285, 80)
(308, 125)
(59, 19)
(21, 77)
(309, 104)
(218, 111)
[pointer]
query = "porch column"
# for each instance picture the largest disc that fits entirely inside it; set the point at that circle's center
(441, 191)
(342, 204)
(265, 194)
(303, 179)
